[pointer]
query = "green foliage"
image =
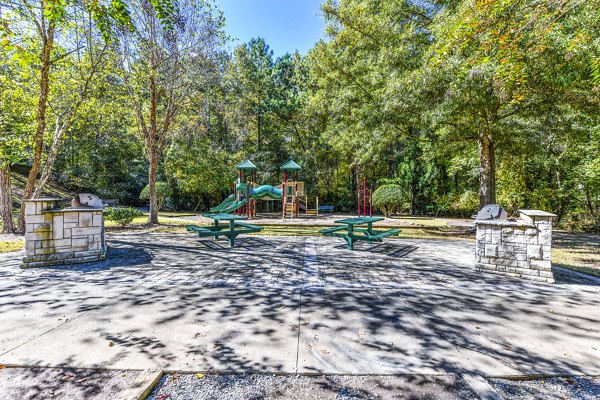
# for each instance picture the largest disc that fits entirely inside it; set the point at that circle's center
(389, 198)
(163, 193)
(400, 92)
(122, 215)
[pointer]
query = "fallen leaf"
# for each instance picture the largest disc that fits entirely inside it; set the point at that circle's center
(200, 375)
(110, 344)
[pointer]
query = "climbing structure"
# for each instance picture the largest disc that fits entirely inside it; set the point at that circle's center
(246, 192)
(294, 198)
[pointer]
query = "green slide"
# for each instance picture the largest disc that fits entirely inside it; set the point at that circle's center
(226, 203)
(233, 206)
(266, 191)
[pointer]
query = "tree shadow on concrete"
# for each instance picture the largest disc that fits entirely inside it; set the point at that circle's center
(239, 310)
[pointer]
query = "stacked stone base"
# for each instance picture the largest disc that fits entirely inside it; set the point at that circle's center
(520, 249)
(68, 258)
(56, 236)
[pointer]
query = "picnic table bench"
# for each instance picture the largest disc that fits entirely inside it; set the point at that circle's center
(231, 230)
(351, 231)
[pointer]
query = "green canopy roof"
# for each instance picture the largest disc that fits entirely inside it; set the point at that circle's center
(290, 166)
(247, 166)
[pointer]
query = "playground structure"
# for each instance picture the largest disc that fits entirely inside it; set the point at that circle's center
(364, 196)
(246, 192)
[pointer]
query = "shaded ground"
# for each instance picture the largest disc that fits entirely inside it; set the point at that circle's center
(580, 388)
(64, 383)
(295, 305)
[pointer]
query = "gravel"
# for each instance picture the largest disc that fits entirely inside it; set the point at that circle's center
(580, 388)
(298, 387)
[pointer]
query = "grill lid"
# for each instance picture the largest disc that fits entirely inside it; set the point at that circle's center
(492, 211)
(88, 200)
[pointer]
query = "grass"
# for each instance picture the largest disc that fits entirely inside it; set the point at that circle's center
(140, 221)
(7, 246)
(581, 257)
(422, 221)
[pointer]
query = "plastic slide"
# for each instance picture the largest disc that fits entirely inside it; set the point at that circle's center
(231, 204)
(265, 191)
(227, 202)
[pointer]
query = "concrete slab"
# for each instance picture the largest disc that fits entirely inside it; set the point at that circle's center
(366, 332)
(294, 304)
(176, 329)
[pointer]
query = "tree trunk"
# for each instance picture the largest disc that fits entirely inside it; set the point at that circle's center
(38, 138)
(487, 169)
(258, 133)
(153, 216)
(6, 199)
(151, 145)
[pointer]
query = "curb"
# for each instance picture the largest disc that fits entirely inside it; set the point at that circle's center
(567, 271)
(142, 386)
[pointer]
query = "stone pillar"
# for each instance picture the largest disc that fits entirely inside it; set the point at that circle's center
(520, 248)
(57, 236)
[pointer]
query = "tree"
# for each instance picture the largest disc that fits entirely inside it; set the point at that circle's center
(62, 30)
(163, 64)
(16, 120)
(497, 61)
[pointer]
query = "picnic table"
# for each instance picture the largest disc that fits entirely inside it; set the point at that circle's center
(231, 230)
(351, 230)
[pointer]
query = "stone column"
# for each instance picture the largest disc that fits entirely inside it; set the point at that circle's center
(57, 236)
(519, 248)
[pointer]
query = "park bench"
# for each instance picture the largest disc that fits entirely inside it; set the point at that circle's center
(351, 234)
(326, 209)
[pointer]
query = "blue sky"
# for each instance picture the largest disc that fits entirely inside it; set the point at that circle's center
(286, 25)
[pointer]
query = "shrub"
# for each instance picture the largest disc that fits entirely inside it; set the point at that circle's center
(122, 215)
(388, 199)
(163, 192)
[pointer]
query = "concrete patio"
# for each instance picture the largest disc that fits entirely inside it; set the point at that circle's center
(295, 305)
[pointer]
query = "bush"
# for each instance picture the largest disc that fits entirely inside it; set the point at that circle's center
(122, 215)
(163, 192)
(388, 199)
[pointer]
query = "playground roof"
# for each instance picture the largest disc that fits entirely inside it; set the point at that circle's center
(247, 166)
(290, 166)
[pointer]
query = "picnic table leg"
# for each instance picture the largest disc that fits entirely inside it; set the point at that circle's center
(231, 236)
(350, 238)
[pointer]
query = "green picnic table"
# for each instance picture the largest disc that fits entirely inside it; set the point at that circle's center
(351, 230)
(231, 230)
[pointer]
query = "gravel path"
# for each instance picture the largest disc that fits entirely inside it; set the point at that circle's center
(580, 388)
(298, 387)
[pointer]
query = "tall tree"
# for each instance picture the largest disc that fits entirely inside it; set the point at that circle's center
(61, 30)
(163, 66)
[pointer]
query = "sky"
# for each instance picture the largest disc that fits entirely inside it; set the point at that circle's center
(286, 25)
